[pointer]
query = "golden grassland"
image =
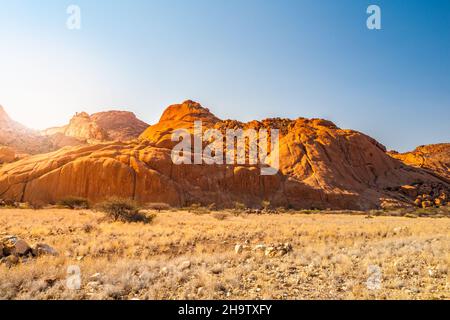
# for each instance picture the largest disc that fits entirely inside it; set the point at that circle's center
(184, 255)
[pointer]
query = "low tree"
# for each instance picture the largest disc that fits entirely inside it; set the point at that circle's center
(125, 210)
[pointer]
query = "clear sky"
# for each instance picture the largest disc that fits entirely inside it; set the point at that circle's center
(244, 59)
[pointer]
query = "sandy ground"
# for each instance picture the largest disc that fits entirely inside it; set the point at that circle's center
(183, 255)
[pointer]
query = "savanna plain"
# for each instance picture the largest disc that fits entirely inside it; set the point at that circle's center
(229, 254)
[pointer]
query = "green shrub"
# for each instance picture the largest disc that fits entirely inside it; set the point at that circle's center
(74, 203)
(125, 210)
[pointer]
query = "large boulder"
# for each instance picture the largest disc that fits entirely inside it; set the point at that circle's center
(41, 249)
(15, 246)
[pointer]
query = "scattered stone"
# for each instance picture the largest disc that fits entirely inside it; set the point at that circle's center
(426, 204)
(217, 269)
(278, 250)
(259, 248)
(12, 245)
(43, 249)
(93, 285)
(418, 202)
(164, 270)
(399, 230)
(270, 252)
(431, 272)
(185, 265)
(21, 248)
(95, 276)
(8, 241)
(10, 261)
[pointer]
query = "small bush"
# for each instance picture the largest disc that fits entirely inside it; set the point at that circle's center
(124, 210)
(74, 203)
(197, 208)
(88, 227)
(157, 206)
(220, 215)
(281, 210)
(194, 207)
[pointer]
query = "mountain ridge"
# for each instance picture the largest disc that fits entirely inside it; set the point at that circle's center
(321, 166)
(113, 125)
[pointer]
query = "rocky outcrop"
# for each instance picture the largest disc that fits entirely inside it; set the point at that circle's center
(17, 137)
(119, 125)
(434, 157)
(321, 166)
(21, 140)
(178, 116)
(100, 127)
(7, 155)
(82, 129)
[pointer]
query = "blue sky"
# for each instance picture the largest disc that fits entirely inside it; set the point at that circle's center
(244, 59)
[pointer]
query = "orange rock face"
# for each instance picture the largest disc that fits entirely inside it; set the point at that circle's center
(178, 116)
(102, 126)
(321, 166)
(434, 157)
(7, 154)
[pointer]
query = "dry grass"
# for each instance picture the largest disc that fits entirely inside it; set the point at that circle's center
(330, 259)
